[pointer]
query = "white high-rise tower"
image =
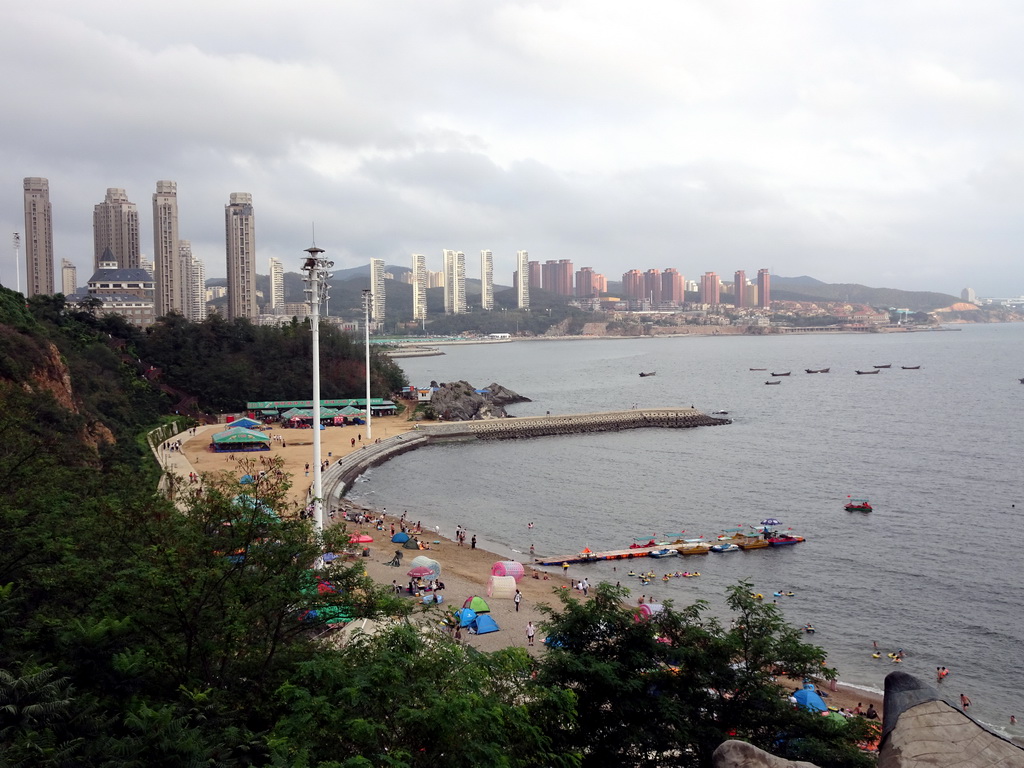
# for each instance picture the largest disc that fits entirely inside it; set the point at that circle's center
(38, 238)
(419, 287)
(523, 280)
(240, 230)
(377, 290)
(454, 282)
(193, 272)
(115, 225)
(487, 280)
(276, 285)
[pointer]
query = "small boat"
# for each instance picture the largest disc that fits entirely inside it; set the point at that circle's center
(773, 382)
(664, 553)
(1021, 381)
(759, 369)
(725, 548)
(811, 370)
(824, 370)
(649, 373)
(911, 367)
(782, 374)
(858, 505)
(882, 366)
(784, 539)
(865, 373)
(808, 628)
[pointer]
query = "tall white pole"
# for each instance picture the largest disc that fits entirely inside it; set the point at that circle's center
(367, 297)
(316, 282)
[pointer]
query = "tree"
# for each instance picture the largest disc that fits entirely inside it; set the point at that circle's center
(669, 688)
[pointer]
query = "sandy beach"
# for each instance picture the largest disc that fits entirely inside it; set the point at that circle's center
(465, 570)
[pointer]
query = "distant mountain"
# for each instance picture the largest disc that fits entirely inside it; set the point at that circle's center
(792, 282)
(809, 289)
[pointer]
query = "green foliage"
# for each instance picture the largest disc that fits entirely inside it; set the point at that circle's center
(667, 690)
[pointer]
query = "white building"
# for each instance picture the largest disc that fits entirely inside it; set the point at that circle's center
(38, 238)
(170, 282)
(276, 285)
(454, 282)
(487, 280)
(240, 235)
(523, 280)
(68, 277)
(377, 290)
(193, 272)
(419, 287)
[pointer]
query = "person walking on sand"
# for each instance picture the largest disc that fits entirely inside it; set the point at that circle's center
(530, 632)
(964, 701)
(472, 543)
(518, 599)
(565, 568)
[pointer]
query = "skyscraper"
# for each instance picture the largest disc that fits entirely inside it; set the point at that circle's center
(672, 287)
(633, 284)
(454, 282)
(557, 277)
(193, 275)
(170, 287)
(68, 277)
(652, 286)
(764, 289)
(586, 287)
(379, 293)
(710, 288)
(419, 287)
(486, 280)
(240, 240)
(115, 225)
(523, 279)
(534, 269)
(38, 237)
(739, 289)
(276, 284)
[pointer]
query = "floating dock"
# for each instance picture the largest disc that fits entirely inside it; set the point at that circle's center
(586, 556)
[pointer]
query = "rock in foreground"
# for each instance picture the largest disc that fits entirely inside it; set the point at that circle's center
(460, 401)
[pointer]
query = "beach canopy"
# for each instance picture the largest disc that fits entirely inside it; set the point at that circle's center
(508, 568)
(401, 537)
(484, 624)
(425, 562)
(419, 572)
(246, 422)
(348, 410)
(239, 436)
(477, 603)
(808, 699)
(466, 616)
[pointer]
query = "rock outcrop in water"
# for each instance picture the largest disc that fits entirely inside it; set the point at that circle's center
(460, 401)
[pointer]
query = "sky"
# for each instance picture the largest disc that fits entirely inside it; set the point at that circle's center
(878, 142)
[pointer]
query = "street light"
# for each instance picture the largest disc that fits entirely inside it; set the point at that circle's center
(16, 242)
(367, 298)
(317, 288)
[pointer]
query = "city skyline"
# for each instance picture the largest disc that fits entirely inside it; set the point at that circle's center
(868, 143)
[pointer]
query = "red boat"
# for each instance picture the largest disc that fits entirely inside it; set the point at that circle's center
(858, 505)
(782, 539)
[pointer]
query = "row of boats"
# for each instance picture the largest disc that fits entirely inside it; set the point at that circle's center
(731, 540)
(874, 369)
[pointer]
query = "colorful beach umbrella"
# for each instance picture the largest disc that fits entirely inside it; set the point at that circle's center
(360, 538)
(420, 571)
(771, 521)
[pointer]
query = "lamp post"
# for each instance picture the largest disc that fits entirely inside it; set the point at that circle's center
(367, 298)
(16, 241)
(316, 267)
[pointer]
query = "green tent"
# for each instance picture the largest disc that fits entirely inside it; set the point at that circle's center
(241, 439)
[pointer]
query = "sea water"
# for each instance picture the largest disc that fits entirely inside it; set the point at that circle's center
(934, 570)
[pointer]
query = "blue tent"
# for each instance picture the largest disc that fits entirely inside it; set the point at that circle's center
(246, 423)
(466, 616)
(484, 624)
(400, 538)
(807, 698)
(247, 479)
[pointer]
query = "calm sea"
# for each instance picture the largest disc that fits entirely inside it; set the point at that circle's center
(935, 570)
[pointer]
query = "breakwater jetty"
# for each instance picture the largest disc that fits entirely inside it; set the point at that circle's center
(338, 478)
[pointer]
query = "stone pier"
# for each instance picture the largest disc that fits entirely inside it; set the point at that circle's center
(337, 479)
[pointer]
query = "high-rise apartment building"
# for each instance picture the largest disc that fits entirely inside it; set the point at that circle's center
(586, 287)
(739, 289)
(487, 280)
(969, 295)
(419, 286)
(193, 275)
(710, 289)
(240, 241)
(557, 277)
(454, 282)
(764, 289)
(652, 286)
(38, 237)
(377, 290)
(170, 287)
(535, 275)
(115, 225)
(435, 279)
(524, 279)
(68, 277)
(276, 285)
(633, 284)
(672, 287)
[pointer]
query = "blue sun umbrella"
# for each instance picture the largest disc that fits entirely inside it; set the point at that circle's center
(771, 521)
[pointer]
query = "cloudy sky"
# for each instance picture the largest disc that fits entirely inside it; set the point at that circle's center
(878, 141)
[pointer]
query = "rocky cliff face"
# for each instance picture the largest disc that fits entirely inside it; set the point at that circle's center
(459, 401)
(51, 375)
